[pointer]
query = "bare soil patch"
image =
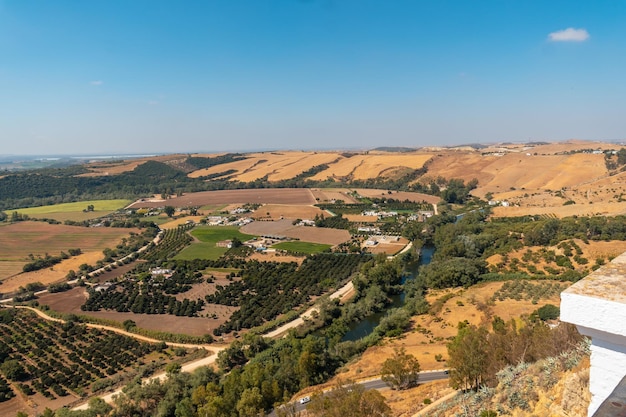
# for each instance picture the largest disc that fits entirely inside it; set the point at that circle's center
(287, 211)
(372, 165)
(398, 195)
(275, 165)
(359, 218)
(388, 246)
(275, 257)
(304, 233)
(261, 196)
(70, 302)
(324, 195)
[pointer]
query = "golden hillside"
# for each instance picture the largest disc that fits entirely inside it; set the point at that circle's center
(531, 178)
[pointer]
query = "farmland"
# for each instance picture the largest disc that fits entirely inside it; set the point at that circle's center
(260, 196)
(303, 233)
(493, 267)
(57, 364)
(207, 238)
(19, 240)
(302, 247)
(75, 211)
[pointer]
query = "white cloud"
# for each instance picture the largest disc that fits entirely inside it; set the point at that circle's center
(569, 35)
(97, 82)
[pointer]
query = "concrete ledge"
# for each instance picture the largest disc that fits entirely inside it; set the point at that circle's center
(597, 306)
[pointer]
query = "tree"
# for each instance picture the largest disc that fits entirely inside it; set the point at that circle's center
(173, 369)
(468, 357)
(129, 324)
(250, 403)
(548, 312)
(169, 210)
(401, 371)
(13, 370)
(350, 400)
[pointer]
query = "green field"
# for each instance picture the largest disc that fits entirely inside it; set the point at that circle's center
(212, 209)
(208, 237)
(157, 219)
(73, 211)
(302, 247)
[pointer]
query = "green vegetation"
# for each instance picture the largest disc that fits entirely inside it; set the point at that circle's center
(350, 400)
(76, 207)
(269, 289)
(476, 356)
(302, 247)
(208, 237)
(401, 371)
(214, 234)
(57, 359)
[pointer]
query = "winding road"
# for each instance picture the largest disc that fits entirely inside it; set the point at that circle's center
(214, 350)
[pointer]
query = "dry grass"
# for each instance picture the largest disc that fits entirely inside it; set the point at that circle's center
(429, 334)
(51, 275)
(276, 165)
(104, 168)
(360, 167)
(18, 240)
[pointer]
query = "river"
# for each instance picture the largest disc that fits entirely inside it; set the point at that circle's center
(364, 327)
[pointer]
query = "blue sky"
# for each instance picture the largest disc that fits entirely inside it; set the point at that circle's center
(152, 76)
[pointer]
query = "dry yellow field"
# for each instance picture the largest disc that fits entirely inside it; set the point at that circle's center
(276, 165)
(429, 333)
(52, 275)
(240, 166)
(361, 167)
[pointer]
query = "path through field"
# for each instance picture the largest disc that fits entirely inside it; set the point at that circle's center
(188, 367)
(282, 330)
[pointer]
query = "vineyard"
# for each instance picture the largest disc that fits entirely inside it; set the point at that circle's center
(60, 359)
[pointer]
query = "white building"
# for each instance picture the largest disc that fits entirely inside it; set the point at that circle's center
(597, 306)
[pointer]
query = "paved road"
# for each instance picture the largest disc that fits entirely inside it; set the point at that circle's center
(377, 384)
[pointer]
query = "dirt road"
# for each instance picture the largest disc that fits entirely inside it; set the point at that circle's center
(282, 330)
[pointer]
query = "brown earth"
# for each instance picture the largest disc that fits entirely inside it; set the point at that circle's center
(389, 246)
(304, 233)
(359, 218)
(18, 240)
(275, 257)
(261, 196)
(275, 165)
(287, 211)
(398, 195)
(328, 194)
(70, 302)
